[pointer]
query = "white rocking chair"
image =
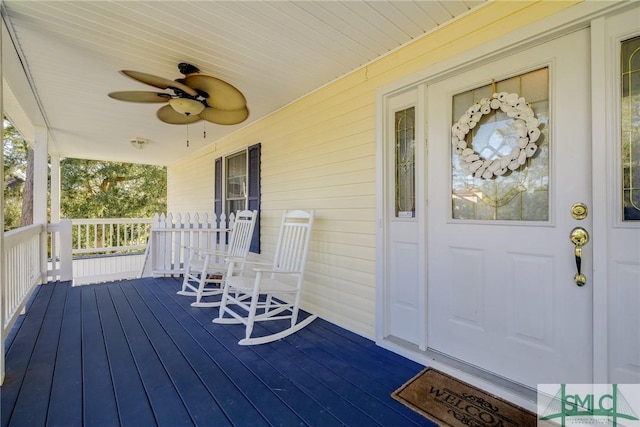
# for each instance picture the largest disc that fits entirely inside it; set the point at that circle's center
(205, 271)
(274, 293)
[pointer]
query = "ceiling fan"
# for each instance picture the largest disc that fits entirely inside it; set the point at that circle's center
(192, 98)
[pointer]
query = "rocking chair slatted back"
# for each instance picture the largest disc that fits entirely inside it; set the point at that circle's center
(205, 271)
(293, 242)
(241, 234)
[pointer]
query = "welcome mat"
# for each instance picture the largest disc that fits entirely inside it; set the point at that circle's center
(450, 402)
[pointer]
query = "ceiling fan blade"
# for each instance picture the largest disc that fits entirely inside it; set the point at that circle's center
(168, 115)
(224, 117)
(139, 96)
(159, 82)
(222, 95)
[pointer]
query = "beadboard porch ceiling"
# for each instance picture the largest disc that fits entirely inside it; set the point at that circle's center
(66, 56)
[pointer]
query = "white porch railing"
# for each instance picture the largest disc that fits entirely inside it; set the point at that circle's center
(22, 271)
(63, 251)
(107, 249)
(110, 235)
(25, 265)
(173, 236)
(81, 250)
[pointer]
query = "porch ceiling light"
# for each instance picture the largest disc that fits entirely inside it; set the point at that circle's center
(186, 106)
(139, 143)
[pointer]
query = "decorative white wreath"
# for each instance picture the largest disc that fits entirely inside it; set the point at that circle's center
(526, 125)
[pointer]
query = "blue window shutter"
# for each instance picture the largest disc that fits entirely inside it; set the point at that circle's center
(217, 192)
(253, 192)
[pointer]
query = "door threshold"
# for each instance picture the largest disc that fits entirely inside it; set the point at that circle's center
(516, 393)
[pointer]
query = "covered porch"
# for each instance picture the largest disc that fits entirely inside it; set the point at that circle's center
(134, 353)
(327, 143)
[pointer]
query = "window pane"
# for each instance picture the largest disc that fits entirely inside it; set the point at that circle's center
(518, 195)
(236, 182)
(630, 131)
(405, 163)
(235, 206)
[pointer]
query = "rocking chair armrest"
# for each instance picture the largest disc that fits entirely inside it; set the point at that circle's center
(204, 250)
(266, 264)
(235, 259)
(212, 252)
(271, 270)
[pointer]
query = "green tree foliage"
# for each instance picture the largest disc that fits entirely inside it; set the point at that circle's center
(93, 189)
(15, 150)
(89, 188)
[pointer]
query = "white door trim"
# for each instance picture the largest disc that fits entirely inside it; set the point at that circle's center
(599, 210)
(605, 69)
(383, 215)
(586, 14)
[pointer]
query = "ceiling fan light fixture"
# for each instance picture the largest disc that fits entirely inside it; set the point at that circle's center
(190, 99)
(139, 143)
(186, 106)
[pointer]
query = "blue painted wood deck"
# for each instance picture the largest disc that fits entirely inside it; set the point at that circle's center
(133, 353)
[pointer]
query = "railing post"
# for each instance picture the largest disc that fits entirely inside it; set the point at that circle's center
(44, 255)
(66, 248)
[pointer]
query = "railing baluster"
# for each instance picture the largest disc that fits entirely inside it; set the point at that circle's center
(22, 271)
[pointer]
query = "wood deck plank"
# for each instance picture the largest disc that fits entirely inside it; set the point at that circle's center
(390, 411)
(168, 407)
(67, 378)
(33, 402)
(228, 397)
(133, 406)
(374, 364)
(296, 399)
(98, 395)
(374, 359)
(199, 403)
(135, 353)
(315, 383)
(224, 348)
(18, 355)
(352, 378)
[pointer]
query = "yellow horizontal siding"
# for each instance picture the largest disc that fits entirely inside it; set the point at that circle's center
(319, 153)
(189, 186)
(342, 156)
(353, 314)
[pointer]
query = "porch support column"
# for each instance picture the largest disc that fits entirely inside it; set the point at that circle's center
(40, 186)
(2, 277)
(55, 188)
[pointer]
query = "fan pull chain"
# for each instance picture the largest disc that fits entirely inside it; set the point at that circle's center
(187, 136)
(204, 130)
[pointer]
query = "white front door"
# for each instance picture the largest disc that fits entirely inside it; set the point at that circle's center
(501, 289)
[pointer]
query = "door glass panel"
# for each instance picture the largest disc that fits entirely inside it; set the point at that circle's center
(630, 131)
(405, 163)
(518, 195)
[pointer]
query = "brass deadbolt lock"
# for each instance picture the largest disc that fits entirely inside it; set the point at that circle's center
(579, 211)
